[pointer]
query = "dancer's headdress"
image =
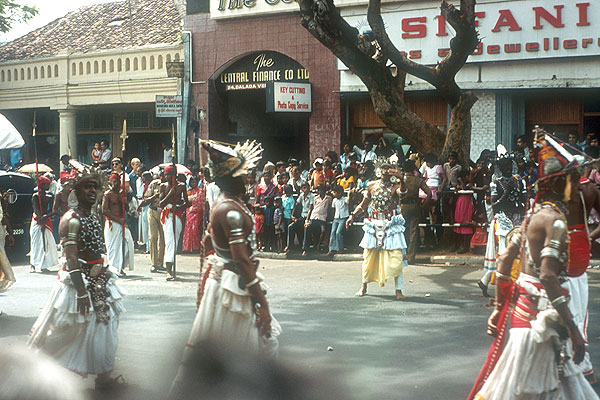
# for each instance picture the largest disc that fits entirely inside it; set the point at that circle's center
(83, 173)
(226, 159)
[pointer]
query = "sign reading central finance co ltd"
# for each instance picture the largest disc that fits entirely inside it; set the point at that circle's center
(169, 106)
(288, 97)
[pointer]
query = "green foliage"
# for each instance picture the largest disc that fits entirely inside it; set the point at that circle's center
(11, 13)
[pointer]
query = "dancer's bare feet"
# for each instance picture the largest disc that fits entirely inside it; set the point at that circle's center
(362, 291)
(399, 295)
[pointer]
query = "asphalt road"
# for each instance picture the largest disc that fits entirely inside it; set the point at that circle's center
(429, 346)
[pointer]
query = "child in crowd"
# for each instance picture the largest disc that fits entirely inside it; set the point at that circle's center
(346, 180)
(96, 153)
(340, 215)
(259, 226)
(277, 222)
(287, 203)
(328, 173)
(463, 213)
(269, 212)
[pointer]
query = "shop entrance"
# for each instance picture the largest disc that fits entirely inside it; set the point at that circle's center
(238, 105)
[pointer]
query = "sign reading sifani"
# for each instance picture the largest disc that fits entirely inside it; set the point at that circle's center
(288, 97)
(169, 106)
(509, 30)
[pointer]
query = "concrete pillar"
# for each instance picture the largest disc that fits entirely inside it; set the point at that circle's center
(68, 132)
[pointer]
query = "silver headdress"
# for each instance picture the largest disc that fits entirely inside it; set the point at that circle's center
(226, 159)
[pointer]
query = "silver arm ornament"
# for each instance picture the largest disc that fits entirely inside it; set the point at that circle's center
(556, 248)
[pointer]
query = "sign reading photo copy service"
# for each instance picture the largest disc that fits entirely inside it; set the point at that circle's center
(288, 97)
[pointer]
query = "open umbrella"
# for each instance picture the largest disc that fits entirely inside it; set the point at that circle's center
(30, 168)
(180, 169)
(10, 138)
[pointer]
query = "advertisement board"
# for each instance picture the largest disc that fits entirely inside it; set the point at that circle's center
(288, 97)
(169, 106)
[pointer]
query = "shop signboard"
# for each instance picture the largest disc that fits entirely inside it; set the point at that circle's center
(175, 69)
(254, 71)
(169, 106)
(509, 30)
(288, 97)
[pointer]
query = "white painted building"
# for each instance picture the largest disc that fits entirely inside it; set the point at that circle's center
(85, 73)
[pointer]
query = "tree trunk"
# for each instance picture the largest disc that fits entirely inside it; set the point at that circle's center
(458, 136)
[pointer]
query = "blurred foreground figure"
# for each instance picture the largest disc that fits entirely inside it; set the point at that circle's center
(216, 371)
(78, 326)
(545, 344)
(233, 307)
(26, 375)
(7, 277)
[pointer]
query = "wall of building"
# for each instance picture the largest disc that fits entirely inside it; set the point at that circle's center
(216, 42)
(483, 123)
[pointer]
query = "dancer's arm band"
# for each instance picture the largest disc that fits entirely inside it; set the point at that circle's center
(83, 296)
(560, 300)
(73, 229)
(70, 243)
(356, 210)
(74, 270)
(502, 276)
(236, 241)
(252, 282)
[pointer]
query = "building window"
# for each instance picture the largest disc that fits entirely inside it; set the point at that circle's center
(28, 73)
(151, 62)
(103, 66)
(73, 69)
(2, 78)
(49, 69)
(95, 67)
(112, 66)
(176, 58)
(119, 65)
(135, 64)
(160, 62)
(9, 75)
(35, 74)
(88, 68)
(163, 123)
(16, 75)
(42, 72)
(56, 71)
(168, 58)
(103, 120)
(22, 74)
(143, 63)
(127, 64)
(137, 119)
(83, 120)
(80, 68)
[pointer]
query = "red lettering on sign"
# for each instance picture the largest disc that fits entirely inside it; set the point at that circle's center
(555, 42)
(443, 52)
(512, 48)
(546, 44)
(493, 49)
(414, 54)
(570, 44)
(479, 50)
(555, 21)
(506, 19)
(532, 47)
(441, 26)
(416, 30)
(479, 14)
(585, 42)
(583, 15)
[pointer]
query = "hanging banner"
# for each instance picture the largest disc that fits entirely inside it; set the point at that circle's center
(288, 97)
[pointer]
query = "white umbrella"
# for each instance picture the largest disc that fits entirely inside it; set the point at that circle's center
(180, 169)
(10, 138)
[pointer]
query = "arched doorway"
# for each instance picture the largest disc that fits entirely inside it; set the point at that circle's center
(243, 105)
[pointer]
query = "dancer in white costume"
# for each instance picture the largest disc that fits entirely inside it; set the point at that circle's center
(119, 252)
(233, 308)
(43, 253)
(545, 343)
(78, 326)
(173, 201)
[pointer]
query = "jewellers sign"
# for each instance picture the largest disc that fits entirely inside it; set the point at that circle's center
(288, 97)
(509, 30)
(169, 106)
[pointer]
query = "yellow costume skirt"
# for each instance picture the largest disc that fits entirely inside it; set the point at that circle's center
(379, 265)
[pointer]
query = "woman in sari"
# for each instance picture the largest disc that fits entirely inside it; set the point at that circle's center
(194, 215)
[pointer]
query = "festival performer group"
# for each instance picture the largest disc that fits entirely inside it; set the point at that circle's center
(537, 254)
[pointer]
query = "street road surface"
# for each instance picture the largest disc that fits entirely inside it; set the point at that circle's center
(429, 346)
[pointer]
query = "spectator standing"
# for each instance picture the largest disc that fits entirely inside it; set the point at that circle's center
(346, 180)
(345, 156)
(266, 188)
(522, 146)
(167, 153)
(96, 153)
(287, 204)
(316, 220)
(157, 238)
(572, 145)
(317, 177)
(367, 153)
(278, 221)
(463, 213)
(409, 203)
(143, 211)
(303, 205)
(106, 157)
(340, 215)
(193, 217)
(269, 212)
(296, 179)
(259, 226)
(251, 188)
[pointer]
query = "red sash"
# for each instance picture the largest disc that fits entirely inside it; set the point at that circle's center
(48, 222)
(166, 211)
(579, 251)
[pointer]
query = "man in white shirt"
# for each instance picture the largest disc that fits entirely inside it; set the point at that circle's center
(366, 154)
(106, 155)
(316, 218)
(303, 204)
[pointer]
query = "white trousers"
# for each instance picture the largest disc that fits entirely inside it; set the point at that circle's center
(43, 253)
(117, 254)
(171, 240)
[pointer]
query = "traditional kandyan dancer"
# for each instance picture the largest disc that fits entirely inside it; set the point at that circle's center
(78, 326)
(233, 309)
(43, 253)
(545, 345)
(119, 253)
(383, 242)
(173, 201)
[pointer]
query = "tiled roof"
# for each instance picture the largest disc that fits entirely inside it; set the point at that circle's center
(122, 24)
